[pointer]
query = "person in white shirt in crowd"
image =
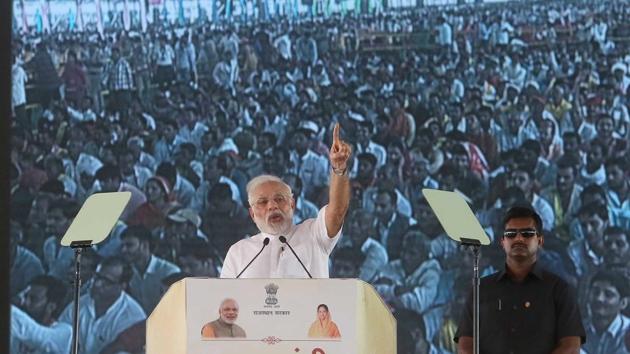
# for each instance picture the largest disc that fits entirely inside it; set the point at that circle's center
(164, 58)
(56, 258)
(186, 60)
(389, 222)
(361, 237)
(132, 172)
(311, 167)
(22, 261)
(55, 170)
(197, 259)
(107, 310)
(517, 129)
(304, 209)
(587, 253)
(346, 263)
(18, 93)
(523, 178)
(135, 144)
(164, 147)
(411, 282)
(215, 170)
(364, 132)
(183, 190)
(109, 179)
(606, 324)
(87, 166)
(182, 224)
(147, 269)
(34, 326)
(272, 207)
(594, 171)
(444, 33)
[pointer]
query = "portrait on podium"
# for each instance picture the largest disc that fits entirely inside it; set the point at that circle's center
(225, 325)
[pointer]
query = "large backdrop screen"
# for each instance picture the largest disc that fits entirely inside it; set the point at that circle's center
(182, 103)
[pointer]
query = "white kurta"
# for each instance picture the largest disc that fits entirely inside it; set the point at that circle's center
(309, 240)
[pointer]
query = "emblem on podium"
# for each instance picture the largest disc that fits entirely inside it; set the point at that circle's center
(272, 290)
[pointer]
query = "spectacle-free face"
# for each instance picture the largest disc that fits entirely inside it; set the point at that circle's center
(229, 311)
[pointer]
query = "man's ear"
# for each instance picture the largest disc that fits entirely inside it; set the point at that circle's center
(251, 213)
(541, 240)
(624, 303)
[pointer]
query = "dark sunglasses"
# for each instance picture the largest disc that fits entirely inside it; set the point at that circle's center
(527, 233)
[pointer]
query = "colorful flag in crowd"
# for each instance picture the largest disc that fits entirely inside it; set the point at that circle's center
(228, 9)
(215, 15)
(143, 15)
(266, 9)
(45, 16)
(243, 10)
(99, 17)
(79, 16)
(164, 12)
(71, 20)
(24, 18)
(180, 12)
(126, 17)
(39, 22)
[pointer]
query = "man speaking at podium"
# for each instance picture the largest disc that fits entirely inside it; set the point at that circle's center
(282, 249)
(523, 309)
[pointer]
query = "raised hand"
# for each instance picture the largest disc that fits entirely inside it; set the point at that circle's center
(339, 152)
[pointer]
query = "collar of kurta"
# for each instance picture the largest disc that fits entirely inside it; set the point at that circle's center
(274, 238)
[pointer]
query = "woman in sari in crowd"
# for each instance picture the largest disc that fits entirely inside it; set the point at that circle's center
(152, 214)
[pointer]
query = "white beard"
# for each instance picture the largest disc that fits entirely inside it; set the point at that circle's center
(276, 229)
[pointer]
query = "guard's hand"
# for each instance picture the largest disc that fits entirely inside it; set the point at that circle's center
(339, 151)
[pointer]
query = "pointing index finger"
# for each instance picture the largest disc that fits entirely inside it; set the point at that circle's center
(336, 134)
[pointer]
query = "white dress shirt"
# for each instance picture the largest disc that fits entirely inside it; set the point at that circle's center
(146, 288)
(309, 240)
(375, 259)
(30, 337)
(96, 333)
(375, 149)
(312, 169)
(424, 281)
(18, 84)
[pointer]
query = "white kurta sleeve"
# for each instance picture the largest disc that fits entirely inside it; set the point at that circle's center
(53, 339)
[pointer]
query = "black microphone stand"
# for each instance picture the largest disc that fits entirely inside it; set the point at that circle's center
(475, 247)
(265, 243)
(78, 247)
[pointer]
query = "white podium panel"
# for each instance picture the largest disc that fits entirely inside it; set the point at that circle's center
(271, 316)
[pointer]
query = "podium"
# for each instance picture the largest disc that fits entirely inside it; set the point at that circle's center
(274, 316)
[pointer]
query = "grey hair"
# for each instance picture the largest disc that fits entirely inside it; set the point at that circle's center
(257, 181)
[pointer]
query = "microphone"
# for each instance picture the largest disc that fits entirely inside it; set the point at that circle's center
(265, 243)
(284, 240)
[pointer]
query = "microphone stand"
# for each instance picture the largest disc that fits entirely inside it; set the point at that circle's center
(475, 247)
(78, 247)
(265, 243)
